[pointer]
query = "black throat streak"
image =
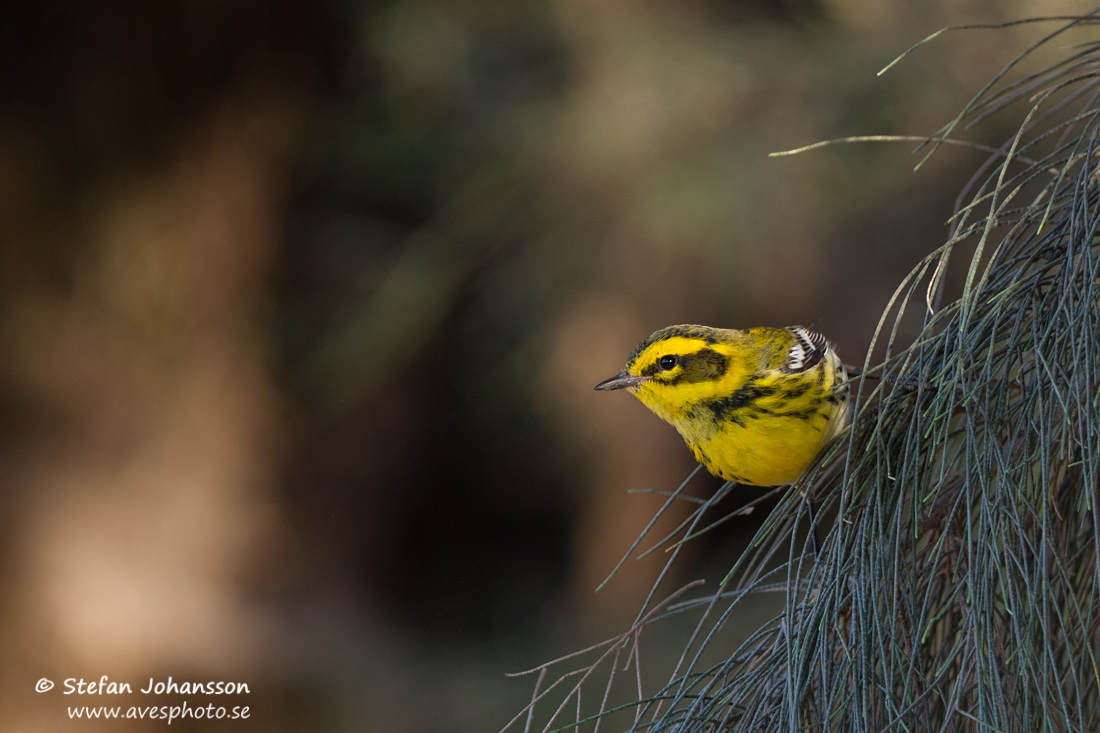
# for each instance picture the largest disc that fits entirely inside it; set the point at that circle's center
(740, 405)
(744, 404)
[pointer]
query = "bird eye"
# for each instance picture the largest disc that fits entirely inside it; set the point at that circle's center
(668, 362)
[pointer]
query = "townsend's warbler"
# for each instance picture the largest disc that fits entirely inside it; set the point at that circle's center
(754, 406)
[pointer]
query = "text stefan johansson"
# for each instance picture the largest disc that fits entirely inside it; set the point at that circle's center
(105, 686)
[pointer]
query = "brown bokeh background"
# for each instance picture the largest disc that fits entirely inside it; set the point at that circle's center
(301, 306)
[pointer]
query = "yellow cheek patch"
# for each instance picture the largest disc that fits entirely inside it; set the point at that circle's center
(668, 393)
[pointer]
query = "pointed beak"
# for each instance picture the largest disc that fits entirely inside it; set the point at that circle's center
(622, 380)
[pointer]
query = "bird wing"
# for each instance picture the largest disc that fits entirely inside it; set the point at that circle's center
(807, 350)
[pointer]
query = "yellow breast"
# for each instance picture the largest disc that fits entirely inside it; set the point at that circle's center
(770, 435)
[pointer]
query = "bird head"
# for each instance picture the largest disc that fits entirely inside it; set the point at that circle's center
(680, 366)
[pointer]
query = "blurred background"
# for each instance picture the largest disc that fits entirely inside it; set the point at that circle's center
(301, 307)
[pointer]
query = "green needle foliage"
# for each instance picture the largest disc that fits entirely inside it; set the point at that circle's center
(957, 585)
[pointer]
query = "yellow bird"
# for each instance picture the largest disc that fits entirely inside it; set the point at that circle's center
(754, 406)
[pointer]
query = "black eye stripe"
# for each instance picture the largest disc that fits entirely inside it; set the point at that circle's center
(701, 366)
